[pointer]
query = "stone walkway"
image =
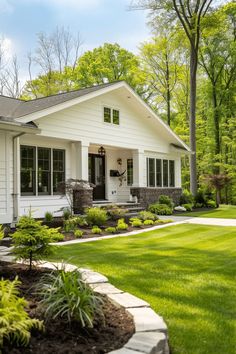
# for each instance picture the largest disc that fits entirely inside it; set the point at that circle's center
(212, 221)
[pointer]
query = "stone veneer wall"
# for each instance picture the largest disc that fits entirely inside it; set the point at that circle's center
(82, 198)
(148, 195)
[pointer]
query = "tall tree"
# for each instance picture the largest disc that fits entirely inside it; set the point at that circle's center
(189, 14)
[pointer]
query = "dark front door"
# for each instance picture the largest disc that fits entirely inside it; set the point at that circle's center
(97, 175)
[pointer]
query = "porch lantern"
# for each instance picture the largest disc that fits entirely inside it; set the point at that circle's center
(101, 151)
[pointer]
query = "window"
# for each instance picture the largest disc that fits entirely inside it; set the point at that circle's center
(107, 115)
(28, 186)
(111, 116)
(116, 117)
(172, 173)
(49, 169)
(58, 168)
(165, 173)
(129, 172)
(160, 173)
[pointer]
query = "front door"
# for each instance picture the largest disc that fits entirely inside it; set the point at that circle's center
(97, 175)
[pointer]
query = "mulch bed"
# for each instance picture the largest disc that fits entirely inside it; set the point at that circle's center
(110, 332)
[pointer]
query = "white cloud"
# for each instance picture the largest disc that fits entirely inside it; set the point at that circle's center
(6, 7)
(7, 47)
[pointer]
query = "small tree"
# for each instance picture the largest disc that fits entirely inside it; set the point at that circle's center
(218, 182)
(32, 240)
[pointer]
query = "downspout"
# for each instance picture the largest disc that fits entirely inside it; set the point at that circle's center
(16, 174)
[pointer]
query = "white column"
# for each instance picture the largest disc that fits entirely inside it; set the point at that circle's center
(16, 177)
(138, 168)
(81, 160)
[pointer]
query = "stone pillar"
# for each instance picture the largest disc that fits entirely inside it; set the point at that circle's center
(138, 168)
(81, 160)
(82, 199)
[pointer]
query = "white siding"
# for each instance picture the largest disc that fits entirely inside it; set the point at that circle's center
(6, 177)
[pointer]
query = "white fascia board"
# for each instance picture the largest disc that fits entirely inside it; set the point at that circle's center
(59, 107)
(11, 127)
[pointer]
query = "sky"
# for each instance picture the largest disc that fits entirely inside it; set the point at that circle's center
(97, 21)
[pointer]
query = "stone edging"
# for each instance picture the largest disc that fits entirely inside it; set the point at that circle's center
(151, 333)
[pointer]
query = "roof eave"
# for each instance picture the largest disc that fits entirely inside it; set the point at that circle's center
(16, 127)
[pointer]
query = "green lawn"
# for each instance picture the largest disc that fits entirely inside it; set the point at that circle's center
(224, 211)
(186, 272)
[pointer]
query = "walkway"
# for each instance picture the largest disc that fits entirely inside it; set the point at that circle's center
(212, 221)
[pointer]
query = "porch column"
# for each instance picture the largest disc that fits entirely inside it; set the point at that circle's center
(81, 160)
(138, 168)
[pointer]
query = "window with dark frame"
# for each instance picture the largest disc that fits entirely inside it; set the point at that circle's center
(165, 173)
(50, 170)
(111, 115)
(116, 116)
(160, 173)
(130, 172)
(107, 115)
(28, 169)
(171, 173)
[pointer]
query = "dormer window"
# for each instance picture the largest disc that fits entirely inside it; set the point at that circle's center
(111, 115)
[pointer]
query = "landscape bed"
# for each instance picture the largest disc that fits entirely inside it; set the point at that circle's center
(110, 331)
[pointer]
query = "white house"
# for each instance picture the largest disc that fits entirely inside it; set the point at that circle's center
(88, 134)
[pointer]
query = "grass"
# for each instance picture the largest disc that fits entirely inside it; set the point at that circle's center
(187, 274)
(224, 211)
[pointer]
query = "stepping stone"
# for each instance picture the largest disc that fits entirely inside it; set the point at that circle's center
(146, 319)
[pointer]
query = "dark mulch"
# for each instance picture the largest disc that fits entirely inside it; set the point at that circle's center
(110, 332)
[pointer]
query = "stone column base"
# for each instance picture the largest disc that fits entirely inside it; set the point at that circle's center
(82, 199)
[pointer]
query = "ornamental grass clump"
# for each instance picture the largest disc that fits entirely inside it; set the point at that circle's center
(1, 232)
(15, 323)
(31, 240)
(64, 295)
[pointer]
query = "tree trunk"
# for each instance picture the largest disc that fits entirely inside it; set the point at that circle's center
(217, 129)
(192, 123)
(168, 91)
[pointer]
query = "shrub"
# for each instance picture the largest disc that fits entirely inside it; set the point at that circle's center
(66, 214)
(116, 213)
(211, 204)
(164, 199)
(121, 225)
(186, 198)
(147, 215)
(200, 197)
(1, 232)
(198, 205)
(31, 240)
(55, 235)
(78, 233)
(96, 230)
(136, 222)
(80, 221)
(110, 230)
(160, 209)
(96, 216)
(162, 222)
(48, 217)
(188, 207)
(148, 222)
(65, 295)
(15, 323)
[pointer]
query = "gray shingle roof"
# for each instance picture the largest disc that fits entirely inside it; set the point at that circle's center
(14, 108)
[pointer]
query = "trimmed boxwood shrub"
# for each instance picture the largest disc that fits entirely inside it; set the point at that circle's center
(147, 215)
(164, 199)
(160, 209)
(136, 222)
(96, 230)
(186, 198)
(121, 225)
(110, 230)
(148, 222)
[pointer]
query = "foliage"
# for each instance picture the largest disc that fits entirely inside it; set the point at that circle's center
(211, 204)
(78, 233)
(163, 221)
(48, 217)
(55, 234)
(80, 221)
(121, 225)
(147, 215)
(15, 323)
(31, 240)
(136, 222)
(188, 207)
(66, 214)
(110, 230)
(164, 199)
(1, 232)
(70, 225)
(160, 209)
(96, 230)
(66, 296)
(198, 205)
(96, 216)
(200, 198)
(148, 222)
(186, 198)
(116, 212)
